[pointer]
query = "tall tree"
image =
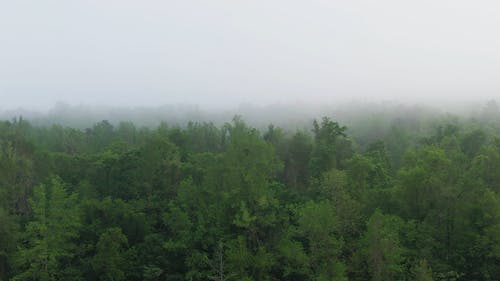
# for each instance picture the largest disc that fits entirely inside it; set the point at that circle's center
(109, 262)
(330, 146)
(48, 242)
(318, 227)
(8, 233)
(382, 246)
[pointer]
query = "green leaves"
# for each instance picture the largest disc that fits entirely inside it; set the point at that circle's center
(207, 203)
(109, 262)
(49, 237)
(382, 246)
(8, 233)
(317, 225)
(330, 147)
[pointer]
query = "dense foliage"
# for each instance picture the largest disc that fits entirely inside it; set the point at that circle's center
(201, 202)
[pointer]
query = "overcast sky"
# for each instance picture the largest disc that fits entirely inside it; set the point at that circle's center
(146, 52)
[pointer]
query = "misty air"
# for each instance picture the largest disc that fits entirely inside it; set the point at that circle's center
(249, 140)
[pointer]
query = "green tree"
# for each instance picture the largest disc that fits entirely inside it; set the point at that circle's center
(48, 244)
(382, 246)
(422, 271)
(330, 146)
(297, 170)
(8, 233)
(425, 176)
(472, 142)
(16, 176)
(101, 135)
(318, 225)
(109, 262)
(334, 186)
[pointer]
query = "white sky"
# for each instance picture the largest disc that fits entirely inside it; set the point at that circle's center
(144, 52)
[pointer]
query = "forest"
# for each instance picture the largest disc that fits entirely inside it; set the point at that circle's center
(409, 197)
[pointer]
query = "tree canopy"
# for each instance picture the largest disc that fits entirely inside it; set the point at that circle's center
(417, 201)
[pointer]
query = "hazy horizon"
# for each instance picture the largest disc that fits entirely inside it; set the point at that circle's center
(221, 54)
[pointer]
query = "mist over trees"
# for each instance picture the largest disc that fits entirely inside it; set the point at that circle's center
(391, 193)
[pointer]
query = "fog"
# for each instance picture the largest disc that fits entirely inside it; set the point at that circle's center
(219, 54)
